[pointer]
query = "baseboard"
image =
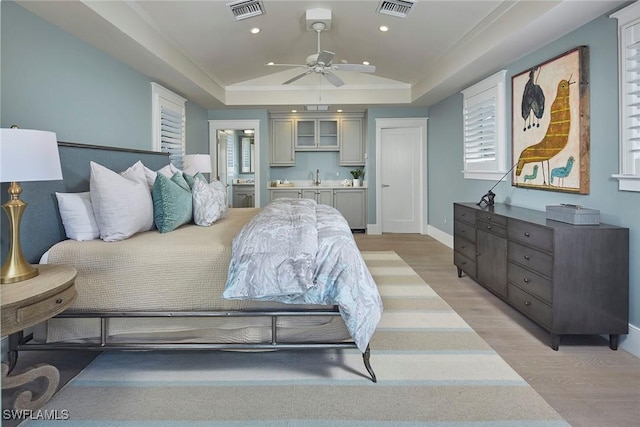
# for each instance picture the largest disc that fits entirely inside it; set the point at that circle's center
(442, 237)
(374, 229)
(631, 341)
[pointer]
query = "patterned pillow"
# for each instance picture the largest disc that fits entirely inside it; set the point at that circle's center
(168, 171)
(221, 193)
(172, 204)
(206, 204)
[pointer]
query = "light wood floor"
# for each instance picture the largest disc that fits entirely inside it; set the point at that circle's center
(585, 381)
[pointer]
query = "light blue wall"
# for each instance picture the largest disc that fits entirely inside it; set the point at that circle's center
(447, 185)
(51, 80)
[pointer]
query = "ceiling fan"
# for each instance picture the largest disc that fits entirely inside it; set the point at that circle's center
(321, 63)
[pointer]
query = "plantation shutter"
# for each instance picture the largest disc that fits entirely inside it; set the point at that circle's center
(484, 140)
(172, 133)
(169, 124)
(480, 128)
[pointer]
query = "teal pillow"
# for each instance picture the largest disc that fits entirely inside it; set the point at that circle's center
(179, 179)
(172, 204)
(191, 179)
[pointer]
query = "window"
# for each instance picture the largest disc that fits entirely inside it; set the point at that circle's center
(629, 86)
(484, 129)
(168, 122)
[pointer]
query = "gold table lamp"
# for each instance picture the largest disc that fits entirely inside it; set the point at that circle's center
(25, 155)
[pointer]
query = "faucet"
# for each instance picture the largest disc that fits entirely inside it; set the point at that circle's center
(317, 181)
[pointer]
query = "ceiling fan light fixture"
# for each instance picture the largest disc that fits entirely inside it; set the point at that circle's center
(243, 9)
(397, 8)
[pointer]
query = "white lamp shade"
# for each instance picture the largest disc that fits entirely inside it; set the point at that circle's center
(194, 163)
(29, 155)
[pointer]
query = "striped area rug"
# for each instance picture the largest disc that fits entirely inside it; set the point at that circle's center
(432, 369)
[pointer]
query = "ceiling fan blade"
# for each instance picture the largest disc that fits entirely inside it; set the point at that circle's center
(325, 57)
(333, 79)
(355, 67)
(286, 65)
(299, 76)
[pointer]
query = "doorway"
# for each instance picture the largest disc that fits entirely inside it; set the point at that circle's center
(220, 139)
(401, 176)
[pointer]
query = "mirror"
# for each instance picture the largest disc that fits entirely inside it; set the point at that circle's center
(247, 154)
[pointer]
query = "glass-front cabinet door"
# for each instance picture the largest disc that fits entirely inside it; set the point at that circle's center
(306, 134)
(328, 134)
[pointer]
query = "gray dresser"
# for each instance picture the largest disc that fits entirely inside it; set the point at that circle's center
(569, 279)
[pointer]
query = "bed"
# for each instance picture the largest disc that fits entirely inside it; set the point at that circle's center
(157, 290)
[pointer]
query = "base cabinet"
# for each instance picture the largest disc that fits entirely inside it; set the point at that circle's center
(569, 279)
(243, 196)
(352, 203)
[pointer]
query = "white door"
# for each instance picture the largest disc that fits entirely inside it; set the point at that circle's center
(401, 183)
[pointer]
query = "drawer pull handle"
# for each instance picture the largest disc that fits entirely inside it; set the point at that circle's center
(527, 303)
(488, 227)
(463, 246)
(526, 280)
(59, 301)
(464, 262)
(526, 234)
(527, 257)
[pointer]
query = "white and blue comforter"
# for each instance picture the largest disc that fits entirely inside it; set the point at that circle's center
(296, 251)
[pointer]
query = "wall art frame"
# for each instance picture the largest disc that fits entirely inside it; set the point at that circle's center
(550, 137)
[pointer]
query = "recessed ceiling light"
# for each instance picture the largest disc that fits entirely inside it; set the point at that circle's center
(339, 111)
(255, 30)
(365, 62)
(270, 63)
(383, 28)
(294, 111)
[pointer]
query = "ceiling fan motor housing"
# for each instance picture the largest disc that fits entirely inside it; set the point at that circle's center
(318, 15)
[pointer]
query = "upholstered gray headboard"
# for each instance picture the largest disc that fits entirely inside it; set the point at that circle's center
(41, 224)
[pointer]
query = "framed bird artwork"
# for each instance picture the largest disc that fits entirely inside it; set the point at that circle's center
(550, 124)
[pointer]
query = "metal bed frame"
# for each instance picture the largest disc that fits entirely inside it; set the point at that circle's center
(18, 342)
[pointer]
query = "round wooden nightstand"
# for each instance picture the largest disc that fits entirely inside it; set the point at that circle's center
(25, 304)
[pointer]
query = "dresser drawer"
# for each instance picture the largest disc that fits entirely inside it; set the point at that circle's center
(464, 214)
(465, 247)
(465, 264)
(491, 218)
(464, 230)
(531, 282)
(535, 260)
(46, 308)
(530, 306)
(529, 234)
(492, 228)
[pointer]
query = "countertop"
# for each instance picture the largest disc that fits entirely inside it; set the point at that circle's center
(306, 185)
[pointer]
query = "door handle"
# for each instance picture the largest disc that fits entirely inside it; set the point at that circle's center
(385, 185)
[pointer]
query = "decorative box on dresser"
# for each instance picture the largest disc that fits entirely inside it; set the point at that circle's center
(569, 279)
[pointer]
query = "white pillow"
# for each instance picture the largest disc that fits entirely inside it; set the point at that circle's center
(77, 216)
(122, 206)
(206, 204)
(168, 171)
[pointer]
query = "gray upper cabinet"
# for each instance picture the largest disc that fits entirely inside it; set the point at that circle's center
(352, 141)
(282, 142)
(317, 134)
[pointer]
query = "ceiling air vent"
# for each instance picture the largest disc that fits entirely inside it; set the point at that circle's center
(399, 8)
(243, 9)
